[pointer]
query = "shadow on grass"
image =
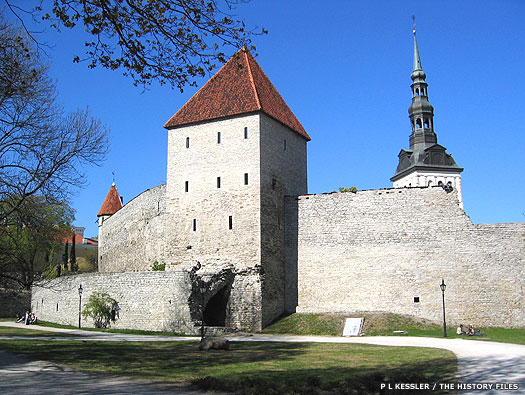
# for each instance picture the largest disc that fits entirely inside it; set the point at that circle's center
(182, 357)
(310, 380)
(250, 368)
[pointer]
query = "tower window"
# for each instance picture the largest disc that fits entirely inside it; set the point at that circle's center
(187, 142)
(218, 137)
(194, 225)
(418, 123)
(284, 144)
(417, 91)
(230, 222)
(245, 132)
(416, 299)
(245, 178)
(186, 186)
(427, 123)
(218, 182)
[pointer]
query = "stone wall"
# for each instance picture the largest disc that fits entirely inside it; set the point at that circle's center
(14, 303)
(387, 250)
(159, 301)
(283, 172)
(135, 237)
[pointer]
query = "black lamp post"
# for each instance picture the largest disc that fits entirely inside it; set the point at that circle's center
(203, 290)
(79, 304)
(443, 286)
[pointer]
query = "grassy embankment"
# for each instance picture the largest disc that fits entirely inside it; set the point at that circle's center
(383, 324)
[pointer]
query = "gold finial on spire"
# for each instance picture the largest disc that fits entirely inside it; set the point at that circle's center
(414, 25)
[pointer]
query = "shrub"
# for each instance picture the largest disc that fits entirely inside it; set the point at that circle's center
(158, 267)
(102, 308)
(351, 189)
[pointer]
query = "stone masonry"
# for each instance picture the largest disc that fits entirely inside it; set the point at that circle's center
(387, 250)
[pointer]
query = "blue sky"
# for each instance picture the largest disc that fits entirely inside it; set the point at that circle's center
(344, 69)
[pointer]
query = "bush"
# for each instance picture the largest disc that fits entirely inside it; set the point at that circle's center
(158, 267)
(102, 308)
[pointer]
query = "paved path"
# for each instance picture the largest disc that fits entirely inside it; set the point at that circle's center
(479, 362)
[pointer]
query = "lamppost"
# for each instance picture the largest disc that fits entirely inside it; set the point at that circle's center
(443, 286)
(202, 290)
(79, 304)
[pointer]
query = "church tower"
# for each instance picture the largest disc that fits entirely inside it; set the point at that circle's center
(426, 163)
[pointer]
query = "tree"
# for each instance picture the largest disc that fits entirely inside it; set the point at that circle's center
(102, 308)
(73, 256)
(30, 240)
(168, 41)
(65, 256)
(43, 150)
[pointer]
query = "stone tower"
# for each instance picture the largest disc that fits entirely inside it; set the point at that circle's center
(235, 149)
(426, 163)
(112, 203)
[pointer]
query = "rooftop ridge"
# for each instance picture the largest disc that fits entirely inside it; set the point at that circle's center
(239, 87)
(250, 72)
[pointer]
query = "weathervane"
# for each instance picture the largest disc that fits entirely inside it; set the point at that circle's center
(414, 25)
(113, 176)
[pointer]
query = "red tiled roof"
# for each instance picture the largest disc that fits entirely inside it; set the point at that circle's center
(239, 87)
(112, 203)
(79, 239)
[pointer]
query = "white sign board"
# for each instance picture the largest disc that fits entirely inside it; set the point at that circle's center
(352, 326)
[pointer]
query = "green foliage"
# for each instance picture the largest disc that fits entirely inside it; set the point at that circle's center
(30, 239)
(158, 267)
(351, 189)
(164, 40)
(73, 256)
(102, 308)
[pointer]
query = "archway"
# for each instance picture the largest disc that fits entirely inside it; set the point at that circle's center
(215, 310)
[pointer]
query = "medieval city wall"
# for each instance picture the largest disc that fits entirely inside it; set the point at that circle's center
(158, 301)
(135, 237)
(147, 300)
(387, 250)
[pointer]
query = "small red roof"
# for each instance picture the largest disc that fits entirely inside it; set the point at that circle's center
(112, 203)
(239, 87)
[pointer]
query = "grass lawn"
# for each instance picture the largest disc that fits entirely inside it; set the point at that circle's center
(127, 331)
(251, 367)
(383, 324)
(27, 331)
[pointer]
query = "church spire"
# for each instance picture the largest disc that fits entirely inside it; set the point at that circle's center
(417, 60)
(420, 111)
(426, 162)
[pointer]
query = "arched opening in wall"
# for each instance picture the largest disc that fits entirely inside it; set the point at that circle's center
(417, 91)
(215, 310)
(418, 123)
(427, 124)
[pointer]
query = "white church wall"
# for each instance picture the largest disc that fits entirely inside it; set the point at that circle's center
(420, 178)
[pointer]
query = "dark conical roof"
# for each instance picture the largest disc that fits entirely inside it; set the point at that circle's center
(424, 153)
(239, 87)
